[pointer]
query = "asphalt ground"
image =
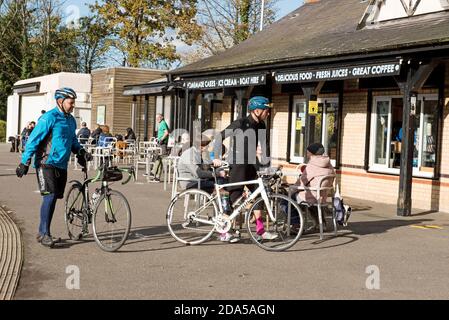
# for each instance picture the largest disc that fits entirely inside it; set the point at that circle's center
(378, 256)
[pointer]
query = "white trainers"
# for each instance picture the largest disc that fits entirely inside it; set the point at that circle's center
(267, 236)
(228, 237)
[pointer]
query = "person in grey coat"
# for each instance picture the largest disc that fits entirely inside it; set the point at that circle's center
(191, 167)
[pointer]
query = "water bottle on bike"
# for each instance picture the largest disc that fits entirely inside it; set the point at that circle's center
(225, 203)
(96, 196)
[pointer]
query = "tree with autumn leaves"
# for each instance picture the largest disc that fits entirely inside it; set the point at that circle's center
(36, 39)
(147, 31)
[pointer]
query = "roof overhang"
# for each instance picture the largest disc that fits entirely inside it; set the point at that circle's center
(145, 89)
(27, 88)
(362, 57)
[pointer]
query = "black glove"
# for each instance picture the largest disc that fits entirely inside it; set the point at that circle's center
(21, 170)
(83, 156)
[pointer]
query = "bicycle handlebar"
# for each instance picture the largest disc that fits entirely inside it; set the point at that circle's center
(131, 174)
(224, 165)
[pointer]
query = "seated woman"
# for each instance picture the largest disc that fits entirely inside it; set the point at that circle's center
(95, 135)
(318, 166)
(104, 138)
(190, 168)
(130, 135)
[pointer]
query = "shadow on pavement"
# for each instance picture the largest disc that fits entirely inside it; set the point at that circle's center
(380, 226)
(424, 213)
(327, 237)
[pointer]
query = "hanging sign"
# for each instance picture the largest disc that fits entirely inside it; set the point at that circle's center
(313, 107)
(226, 82)
(391, 68)
(298, 124)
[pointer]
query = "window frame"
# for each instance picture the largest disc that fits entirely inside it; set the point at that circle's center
(322, 100)
(379, 168)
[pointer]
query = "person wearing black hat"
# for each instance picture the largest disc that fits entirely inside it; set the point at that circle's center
(316, 149)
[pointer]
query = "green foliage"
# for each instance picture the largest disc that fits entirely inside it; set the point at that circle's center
(34, 41)
(2, 131)
(93, 41)
(145, 31)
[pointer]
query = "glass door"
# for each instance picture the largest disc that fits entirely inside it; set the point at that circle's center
(381, 119)
(298, 131)
(323, 128)
(330, 129)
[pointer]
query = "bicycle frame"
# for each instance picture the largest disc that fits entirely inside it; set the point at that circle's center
(259, 191)
(85, 184)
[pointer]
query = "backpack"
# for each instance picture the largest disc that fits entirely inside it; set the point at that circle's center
(342, 211)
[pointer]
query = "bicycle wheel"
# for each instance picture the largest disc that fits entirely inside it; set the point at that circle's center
(287, 227)
(190, 216)
(111, 220)
(74, 213)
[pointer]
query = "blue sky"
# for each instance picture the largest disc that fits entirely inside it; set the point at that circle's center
(285, 6)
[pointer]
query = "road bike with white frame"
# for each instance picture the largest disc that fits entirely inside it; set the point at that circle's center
(193, 216)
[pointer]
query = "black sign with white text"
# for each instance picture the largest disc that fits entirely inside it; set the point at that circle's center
(226, 82)
(383, 69)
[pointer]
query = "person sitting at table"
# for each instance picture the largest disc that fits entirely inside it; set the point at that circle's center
(190, 167)
(83, 133)
(120, 145)
(318, 165)
(103, 140)
(96, 135)
(130, 135)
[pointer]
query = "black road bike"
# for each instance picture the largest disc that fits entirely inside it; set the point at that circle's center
(107, 210)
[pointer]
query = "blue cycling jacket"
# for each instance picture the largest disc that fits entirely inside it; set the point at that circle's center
(52, 140)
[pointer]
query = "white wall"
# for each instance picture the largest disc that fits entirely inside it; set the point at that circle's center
(12, 116)
(31, 108)
(393, 9)
(44, 100)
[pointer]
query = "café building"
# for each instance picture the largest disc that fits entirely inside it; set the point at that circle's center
(368, 79)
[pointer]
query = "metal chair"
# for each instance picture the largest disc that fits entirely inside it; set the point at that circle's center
(152, 157)
(140, 158)
(320, 193)
(169, 173)
(177, 178)
(130, 151)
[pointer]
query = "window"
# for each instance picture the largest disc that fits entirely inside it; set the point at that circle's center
(298, 131)
(386, 135)
(323, 128)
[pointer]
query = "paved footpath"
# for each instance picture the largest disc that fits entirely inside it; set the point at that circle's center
(379, 255)
(11, 255)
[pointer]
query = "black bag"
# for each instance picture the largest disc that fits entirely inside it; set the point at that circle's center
(112, 174)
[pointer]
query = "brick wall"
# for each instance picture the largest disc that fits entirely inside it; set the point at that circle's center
(353, 131)
(357, 183)
(279, 125)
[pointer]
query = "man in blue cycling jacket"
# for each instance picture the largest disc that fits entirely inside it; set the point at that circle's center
(51, 142)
